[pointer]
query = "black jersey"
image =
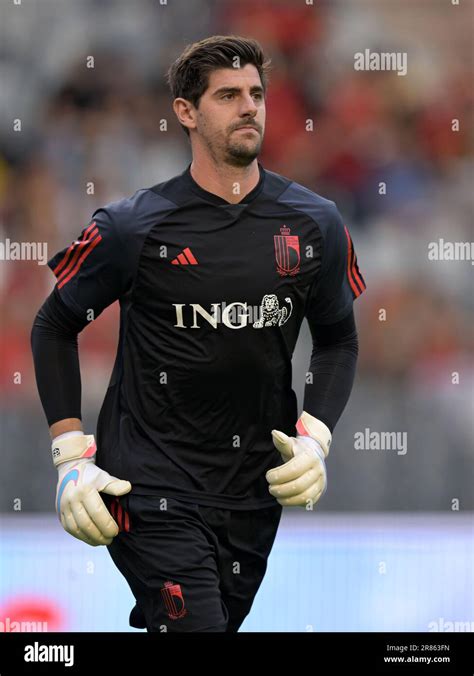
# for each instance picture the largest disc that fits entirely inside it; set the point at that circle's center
(212, 298)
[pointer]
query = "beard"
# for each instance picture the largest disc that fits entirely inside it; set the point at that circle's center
(229, 148)
(240, 154)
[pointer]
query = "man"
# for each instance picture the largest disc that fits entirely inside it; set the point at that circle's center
(214, 270)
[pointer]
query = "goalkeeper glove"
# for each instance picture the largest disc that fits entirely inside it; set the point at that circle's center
(302, 479)
(79, 506)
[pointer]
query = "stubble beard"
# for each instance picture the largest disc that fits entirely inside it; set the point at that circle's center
(241, 154)
(233, 152)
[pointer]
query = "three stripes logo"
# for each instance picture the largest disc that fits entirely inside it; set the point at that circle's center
(186, 257)
(77, 254)
(354, 275)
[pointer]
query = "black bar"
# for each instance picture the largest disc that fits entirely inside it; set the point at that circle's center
(290, 653)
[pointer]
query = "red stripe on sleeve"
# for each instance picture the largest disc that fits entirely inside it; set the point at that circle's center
(354, 288)
(65, 258)
(355, 270)
(92, 244)
(78, 248)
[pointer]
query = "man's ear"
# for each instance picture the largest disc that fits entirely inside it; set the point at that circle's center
(185, 112)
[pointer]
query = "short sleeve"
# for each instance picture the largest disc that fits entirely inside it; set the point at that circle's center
(89, 272)
(339, 281)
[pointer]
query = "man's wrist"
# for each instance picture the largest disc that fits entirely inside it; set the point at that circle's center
(308, 425)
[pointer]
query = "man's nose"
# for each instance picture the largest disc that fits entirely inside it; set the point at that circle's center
(248, 106)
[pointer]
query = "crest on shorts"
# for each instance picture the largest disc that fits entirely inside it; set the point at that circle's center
(174, 601)
(287, 252)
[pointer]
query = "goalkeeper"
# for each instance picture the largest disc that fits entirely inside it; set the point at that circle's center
(199, 444)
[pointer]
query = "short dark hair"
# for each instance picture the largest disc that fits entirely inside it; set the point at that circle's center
(188, 76)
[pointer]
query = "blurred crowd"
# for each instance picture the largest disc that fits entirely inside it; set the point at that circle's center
(101, 126)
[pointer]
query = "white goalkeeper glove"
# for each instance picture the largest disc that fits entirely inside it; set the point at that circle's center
(82, 511)
(302, 479)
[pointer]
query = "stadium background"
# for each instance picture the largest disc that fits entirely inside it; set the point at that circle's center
(390, 545)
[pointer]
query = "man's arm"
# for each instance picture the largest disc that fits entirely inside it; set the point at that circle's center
(55, 354)
(333, 368)
(91, 274)
(329, 311)
(56, 361)
(301, 480)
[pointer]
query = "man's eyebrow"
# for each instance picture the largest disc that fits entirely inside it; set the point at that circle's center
(236, 90)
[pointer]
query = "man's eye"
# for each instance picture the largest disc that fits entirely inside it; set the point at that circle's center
(258, 96)
(227, 96)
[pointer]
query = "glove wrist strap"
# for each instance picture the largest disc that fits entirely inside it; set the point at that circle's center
(309, 426)
(73, 448)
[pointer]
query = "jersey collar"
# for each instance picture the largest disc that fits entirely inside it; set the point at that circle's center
(216, 199)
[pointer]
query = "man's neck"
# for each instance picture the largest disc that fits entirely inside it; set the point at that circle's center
(230, 183)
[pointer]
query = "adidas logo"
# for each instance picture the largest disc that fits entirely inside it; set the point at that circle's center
(185, 258)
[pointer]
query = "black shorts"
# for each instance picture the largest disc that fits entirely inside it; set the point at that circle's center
(191, 567)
